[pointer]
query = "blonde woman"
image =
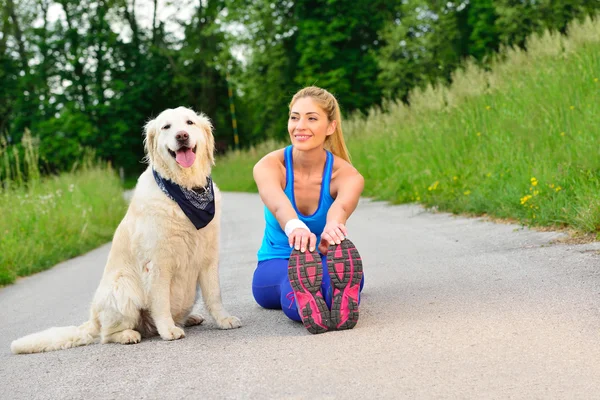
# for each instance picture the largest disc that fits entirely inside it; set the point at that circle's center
(310, 189)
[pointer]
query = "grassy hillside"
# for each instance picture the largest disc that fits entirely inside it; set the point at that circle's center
(518, 141)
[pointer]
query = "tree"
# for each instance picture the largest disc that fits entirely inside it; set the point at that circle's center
(336, 40)
(483, 32)
(518, 19)
(95, 75)
(428, 39)
(201, 69)
(266, 36)
(424, 43)
(289, 45)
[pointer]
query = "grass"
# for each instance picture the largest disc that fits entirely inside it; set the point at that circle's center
(47, 220)
(233, 171)
(518, 141)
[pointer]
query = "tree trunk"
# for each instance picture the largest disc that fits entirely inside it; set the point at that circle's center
(154, 27)
(78, 67)
(101, 36)
(130, 16)
(44, 51)
(18, 34)
(5, 33)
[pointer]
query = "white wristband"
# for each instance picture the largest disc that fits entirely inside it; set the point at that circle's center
(293, 224)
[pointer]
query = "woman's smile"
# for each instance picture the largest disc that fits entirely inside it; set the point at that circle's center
(301, 137)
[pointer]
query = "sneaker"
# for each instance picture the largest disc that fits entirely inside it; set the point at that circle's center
(306, 275)
(345, 271)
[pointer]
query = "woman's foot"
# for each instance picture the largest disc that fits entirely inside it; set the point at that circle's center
(306, 275)
(345, 271)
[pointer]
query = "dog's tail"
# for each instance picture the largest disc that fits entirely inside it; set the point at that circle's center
(58, 338)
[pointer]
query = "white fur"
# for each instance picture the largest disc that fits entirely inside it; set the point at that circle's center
(158, 259)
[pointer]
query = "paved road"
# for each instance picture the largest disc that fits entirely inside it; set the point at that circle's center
(452, 308)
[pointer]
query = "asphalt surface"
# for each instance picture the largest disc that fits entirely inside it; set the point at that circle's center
(453, 308)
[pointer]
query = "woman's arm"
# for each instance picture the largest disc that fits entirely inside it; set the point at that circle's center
(270, 178)
(349, 184)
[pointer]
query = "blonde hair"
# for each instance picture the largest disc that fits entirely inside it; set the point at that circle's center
(334, 142)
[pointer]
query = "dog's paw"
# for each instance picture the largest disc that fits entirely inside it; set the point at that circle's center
(229, 322)
(171, 333)
(194, 319)
(131, 337)
(128, 336)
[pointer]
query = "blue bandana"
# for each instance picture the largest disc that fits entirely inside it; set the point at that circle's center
(198, 204)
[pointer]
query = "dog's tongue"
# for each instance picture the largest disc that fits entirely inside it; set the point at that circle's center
(185, 157)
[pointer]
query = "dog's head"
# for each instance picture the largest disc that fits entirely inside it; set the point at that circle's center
(180, 143)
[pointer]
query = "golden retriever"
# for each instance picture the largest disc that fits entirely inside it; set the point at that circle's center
(158, 258)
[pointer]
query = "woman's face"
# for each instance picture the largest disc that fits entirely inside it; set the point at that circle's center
(308, 124)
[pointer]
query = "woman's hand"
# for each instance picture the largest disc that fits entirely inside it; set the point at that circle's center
(301, 238)
(333, 233)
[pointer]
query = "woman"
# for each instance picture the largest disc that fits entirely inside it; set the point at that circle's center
(309, 190)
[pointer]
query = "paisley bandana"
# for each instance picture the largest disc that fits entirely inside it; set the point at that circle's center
(198, 204)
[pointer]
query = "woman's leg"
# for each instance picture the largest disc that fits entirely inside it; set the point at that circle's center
(288, 300)
(326, 285)
(266, 282)
(272, 289)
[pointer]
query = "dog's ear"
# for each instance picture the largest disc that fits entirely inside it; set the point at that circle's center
(210, 139)
(150, 133)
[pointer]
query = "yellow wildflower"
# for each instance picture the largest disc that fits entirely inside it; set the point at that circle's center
(488, 107)
(534, 181)
(562, 134)
(558, 189)
(488, 174)
(478, 133)
(572, 107)
(433, 186)
(595, 79)
(467, 192)
(455, 178)
(525, 198)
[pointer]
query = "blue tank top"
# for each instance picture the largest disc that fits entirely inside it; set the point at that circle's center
(275, 242)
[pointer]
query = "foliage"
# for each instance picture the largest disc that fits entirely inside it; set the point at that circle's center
(46, 220)
(90, 74)
(429, 39)
(517, 140)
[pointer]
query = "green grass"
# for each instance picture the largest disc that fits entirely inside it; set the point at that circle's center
(48, 220)
(233, 171)
(520, 141)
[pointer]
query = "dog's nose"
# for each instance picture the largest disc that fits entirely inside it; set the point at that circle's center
(182, 136)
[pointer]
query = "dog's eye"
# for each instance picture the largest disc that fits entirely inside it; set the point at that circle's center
(167, 126)
(190, 122)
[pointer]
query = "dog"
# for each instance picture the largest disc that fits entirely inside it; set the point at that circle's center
(162, 252)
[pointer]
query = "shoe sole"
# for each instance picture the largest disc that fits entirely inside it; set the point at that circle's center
(345, 271)
(305, 272)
